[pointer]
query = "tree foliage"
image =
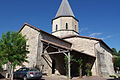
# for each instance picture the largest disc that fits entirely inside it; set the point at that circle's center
(117, 62)
(13, 49)
(79, 61)
(66, 63)
(115, 52)
(88, 69)
(116, 59)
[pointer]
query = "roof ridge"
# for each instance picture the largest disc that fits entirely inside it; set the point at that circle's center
(89, 38)
(82, 37)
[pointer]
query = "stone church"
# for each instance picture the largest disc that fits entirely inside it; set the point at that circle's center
(47, 51)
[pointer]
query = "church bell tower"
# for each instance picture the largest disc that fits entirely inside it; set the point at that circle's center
(65, 24)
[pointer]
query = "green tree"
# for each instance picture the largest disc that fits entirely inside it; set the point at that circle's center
(13, 50)
(115, 52)
(88, 69)
(79, 61)
(116, 59)
(66, 63)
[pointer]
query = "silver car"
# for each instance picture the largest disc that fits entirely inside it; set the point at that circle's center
(27, 73)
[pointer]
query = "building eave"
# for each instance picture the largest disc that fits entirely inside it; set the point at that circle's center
(66, 16)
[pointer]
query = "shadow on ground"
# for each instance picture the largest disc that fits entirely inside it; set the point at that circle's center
(114, 79)
(1, 76)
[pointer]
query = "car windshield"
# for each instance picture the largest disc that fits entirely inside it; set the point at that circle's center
(23, 69)
(28, 69)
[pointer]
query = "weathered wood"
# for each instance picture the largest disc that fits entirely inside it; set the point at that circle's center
(69, 69)
(55, 52)
(58, 45)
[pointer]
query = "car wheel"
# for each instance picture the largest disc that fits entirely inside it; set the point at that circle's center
(40, 78)
(24, 78)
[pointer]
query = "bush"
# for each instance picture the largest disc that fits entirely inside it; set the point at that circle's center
(113, 76)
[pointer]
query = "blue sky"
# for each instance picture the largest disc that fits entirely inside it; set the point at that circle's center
(97, 18)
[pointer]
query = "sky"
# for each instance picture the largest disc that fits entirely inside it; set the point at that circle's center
(97, 18)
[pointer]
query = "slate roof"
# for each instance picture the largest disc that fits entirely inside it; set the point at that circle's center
(64, 9)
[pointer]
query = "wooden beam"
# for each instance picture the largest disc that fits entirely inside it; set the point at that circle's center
(58, 45)
(55, 52)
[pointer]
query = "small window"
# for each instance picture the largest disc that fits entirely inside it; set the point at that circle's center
(66, 25)
(56, 27)
(75, 28)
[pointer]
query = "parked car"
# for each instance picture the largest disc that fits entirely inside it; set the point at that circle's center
(27, 73)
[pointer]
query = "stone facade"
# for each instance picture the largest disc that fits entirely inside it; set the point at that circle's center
(65, 37)
(32, 37)
(35, 44)
(82, 44)
(104, 60)
(65, 25)
(103, 65)
(37, 49)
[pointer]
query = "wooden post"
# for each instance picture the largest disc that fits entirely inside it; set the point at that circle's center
(11, 77)
(69, 69)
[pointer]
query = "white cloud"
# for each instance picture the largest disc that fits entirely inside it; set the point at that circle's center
(100, 35)
(101, 38)
(95, 34)
(107, 37)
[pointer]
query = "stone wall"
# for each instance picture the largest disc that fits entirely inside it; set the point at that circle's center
(46, 66)
(61, 26)
(83, 44)
(103, 65)
(86, 46)
(35, 57)
(105, 60)
(32, 36)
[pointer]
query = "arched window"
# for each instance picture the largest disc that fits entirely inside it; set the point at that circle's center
(75, 27)
(66, 25)
(56, 27)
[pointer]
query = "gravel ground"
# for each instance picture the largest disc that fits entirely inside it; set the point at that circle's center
(77, 78)
(54, 77)
(95, 78)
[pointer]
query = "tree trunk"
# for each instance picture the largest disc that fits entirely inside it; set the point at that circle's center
(80, 71)
(8, 70)
(11, 77)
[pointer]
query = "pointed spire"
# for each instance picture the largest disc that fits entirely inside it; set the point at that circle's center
(64, 9)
